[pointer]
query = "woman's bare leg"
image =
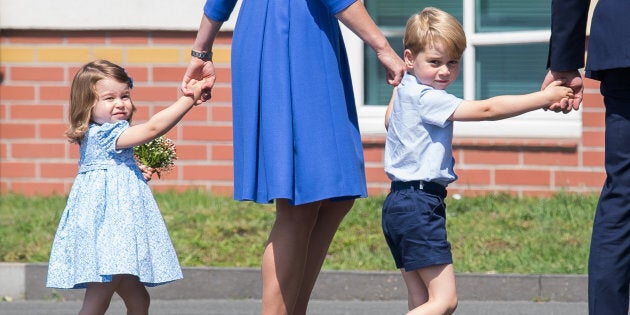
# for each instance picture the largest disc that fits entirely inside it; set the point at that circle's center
(285, 256)
(330, 216)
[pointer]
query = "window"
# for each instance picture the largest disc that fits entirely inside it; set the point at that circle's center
(506, 54)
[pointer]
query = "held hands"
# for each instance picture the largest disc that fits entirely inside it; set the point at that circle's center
(198, 91)
(571, 79)
(558, 94)
(202, 71)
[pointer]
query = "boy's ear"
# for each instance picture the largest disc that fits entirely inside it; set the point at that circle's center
(408, 57)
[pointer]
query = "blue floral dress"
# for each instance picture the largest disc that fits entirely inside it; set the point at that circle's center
(111, 224)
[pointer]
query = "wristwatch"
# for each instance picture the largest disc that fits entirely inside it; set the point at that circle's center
(205, 56)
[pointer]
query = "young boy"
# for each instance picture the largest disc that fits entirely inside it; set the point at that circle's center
(418, 154)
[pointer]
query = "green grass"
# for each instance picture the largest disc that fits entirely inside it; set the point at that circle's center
(488, 234)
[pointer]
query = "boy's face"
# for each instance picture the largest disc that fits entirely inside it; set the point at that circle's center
(433, 67)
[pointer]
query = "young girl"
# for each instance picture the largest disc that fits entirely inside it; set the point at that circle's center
(418, 154)
(111, 236)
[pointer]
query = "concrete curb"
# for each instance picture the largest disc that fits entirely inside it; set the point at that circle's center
(26, 282)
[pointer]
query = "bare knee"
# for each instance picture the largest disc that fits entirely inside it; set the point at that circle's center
(97, 297)
(447, 304)
(134, 294)
(139, 305)
(451, 306)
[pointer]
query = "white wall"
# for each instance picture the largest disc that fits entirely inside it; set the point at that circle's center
(109, 14)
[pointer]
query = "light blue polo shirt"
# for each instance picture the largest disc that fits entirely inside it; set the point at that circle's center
(420, 136)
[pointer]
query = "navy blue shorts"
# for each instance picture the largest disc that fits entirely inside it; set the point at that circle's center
(414, 224)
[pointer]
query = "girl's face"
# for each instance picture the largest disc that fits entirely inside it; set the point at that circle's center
(113, 102)
(433, 67)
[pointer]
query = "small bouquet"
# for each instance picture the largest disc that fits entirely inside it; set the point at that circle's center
(159, 154)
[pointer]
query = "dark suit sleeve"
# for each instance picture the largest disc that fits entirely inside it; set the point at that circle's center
(568, 34)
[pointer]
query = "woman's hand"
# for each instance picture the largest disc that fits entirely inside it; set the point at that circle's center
(200, 70)
(394, 66)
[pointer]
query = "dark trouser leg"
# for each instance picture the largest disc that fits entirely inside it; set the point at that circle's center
(609, 260)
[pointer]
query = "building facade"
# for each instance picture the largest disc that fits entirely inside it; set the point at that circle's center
(42, 47)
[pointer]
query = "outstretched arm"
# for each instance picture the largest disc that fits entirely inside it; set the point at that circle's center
(357, 19)
(161, 122)
(506, 106)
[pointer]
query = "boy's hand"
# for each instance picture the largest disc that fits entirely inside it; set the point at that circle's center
(560, 97)
(571, 79)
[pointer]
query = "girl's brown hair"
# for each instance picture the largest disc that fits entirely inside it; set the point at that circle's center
(434, 25)
(83, 94)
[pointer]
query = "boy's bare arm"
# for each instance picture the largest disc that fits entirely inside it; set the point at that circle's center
(506, 106)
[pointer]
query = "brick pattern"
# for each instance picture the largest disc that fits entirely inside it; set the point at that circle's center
(37, 67)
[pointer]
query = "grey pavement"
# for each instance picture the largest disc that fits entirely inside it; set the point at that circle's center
(237, 291)
(316, 307)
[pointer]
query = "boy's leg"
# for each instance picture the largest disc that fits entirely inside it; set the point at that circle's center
(439, 281)
(134, 294)
(417, 293)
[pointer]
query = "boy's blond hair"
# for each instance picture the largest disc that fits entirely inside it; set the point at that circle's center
(434, 25)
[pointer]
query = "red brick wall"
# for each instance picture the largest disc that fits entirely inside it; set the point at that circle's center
(37, 68)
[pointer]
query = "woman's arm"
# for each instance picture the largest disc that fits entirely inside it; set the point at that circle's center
(356, 18)
(199, 69)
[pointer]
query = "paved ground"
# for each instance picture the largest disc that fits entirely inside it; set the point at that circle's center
(227, 291)
(317, 307)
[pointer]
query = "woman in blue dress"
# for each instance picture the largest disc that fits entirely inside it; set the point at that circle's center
(111, 235)
(296, 133)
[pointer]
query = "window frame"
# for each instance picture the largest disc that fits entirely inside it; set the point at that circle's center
(536, 124)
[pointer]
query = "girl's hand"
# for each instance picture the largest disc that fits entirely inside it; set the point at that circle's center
(199, 70)
(147, 172)
(197, 88)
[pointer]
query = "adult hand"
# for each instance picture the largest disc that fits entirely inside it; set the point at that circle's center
(199, 70)
(357, 19)
(394, 66)
(571, 79)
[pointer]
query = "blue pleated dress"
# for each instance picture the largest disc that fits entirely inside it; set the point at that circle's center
(111, 224)
(296, 132)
